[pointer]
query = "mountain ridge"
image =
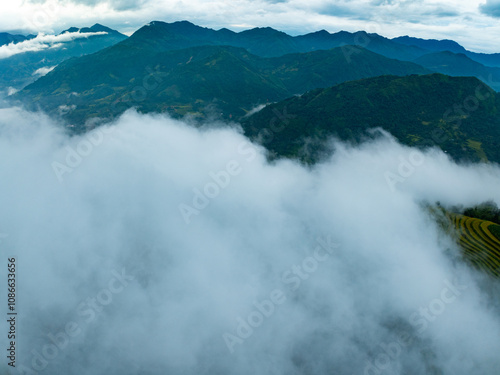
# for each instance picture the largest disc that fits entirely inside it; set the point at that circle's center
(20, 69)
(195, 79)
(417, 110)
(7, 38)
(460, 65)
(433, 45)
(93, 29)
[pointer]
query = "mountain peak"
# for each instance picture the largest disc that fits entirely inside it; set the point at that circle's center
(225, 31)
(322, 32)
(6, 38)
(70, 30)
(431, 44)
(184, 23)
(98, 27)
(176, 27)
(264, 31)
(94, 29)
(156, 23)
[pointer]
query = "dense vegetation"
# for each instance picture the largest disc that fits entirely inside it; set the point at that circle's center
(184, 69)
(459, 65)
(459, 115)
(200, 81)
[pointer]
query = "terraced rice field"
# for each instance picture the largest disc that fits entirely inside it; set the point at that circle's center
(480, 240)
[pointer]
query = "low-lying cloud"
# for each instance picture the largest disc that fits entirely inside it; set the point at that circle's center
(282, 269)
(43, 71)
(42, 42)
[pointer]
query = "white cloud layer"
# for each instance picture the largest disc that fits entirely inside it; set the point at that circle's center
(281, 270)
(43, 71)
(43, 42)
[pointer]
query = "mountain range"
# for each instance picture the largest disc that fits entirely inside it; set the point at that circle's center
(196, 80)
(6, 38)
(339, 84)
(457, 114)
(263, 42)
(432, 45)
(21, 69)
(268, 42)
(270, 64)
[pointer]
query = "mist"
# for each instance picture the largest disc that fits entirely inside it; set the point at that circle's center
(42, 42)
(149, 246)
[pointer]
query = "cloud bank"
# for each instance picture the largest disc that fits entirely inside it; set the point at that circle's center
(148, 246)
(43, 71)
(43, 42)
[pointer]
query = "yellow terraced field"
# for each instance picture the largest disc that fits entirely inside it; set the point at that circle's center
(481, 246)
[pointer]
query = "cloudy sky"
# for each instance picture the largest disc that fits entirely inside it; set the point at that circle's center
(472, 23)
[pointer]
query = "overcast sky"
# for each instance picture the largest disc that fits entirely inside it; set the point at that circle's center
(472, 23)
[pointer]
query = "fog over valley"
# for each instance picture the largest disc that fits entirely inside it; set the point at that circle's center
(151, 246)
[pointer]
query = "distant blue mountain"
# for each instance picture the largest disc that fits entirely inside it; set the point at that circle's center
(19, 70)
(491, 60)
(6, 38)
(266, 42)
(94, 29)
(460, 65)
(431, 44)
